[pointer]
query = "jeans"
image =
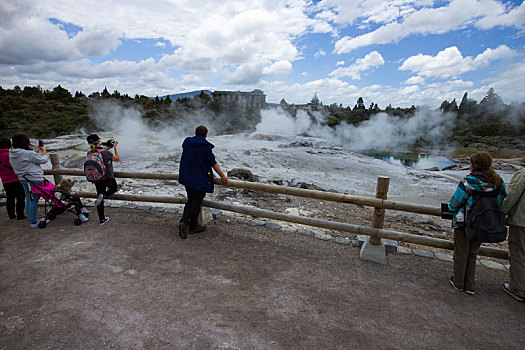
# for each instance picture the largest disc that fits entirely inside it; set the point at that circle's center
(31, 205)
(15, 193)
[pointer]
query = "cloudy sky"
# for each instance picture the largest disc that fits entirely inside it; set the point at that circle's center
(402, 52)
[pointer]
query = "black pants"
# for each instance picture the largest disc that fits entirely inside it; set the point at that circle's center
(14, 191)
(192, 207)
(107, 188)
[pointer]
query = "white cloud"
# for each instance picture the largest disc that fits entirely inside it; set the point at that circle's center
(509, 84)
(340, 63)
(370, 61)
(320, 53)
(160, 44)
(415, 80)
(429, 20)
(451, 63)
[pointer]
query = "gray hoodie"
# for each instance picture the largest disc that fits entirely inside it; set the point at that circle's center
(26, 162)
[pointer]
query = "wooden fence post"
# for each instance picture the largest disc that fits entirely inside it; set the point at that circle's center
(55, 164)
(378, 218)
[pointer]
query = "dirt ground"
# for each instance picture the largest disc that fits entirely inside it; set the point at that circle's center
(134, 284)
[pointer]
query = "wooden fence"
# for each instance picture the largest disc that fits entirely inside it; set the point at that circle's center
(376, 231)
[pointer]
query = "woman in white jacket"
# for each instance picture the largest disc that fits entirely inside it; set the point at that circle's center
(26, 164)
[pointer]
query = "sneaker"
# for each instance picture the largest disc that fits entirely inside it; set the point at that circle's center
(34, 225)
(511, 293)
(82, 218)
(454, 285)
(100, 198)
(12, 219)
(84, 210)
(197, 229)
(47, 221)
(470, 292)
(106, 219)
(183, 230)
(21, 218)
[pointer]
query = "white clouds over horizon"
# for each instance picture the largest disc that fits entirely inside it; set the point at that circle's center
(289, 48)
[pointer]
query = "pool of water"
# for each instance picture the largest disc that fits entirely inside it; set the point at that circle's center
(412, 159)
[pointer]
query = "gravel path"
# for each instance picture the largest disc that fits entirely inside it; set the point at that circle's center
(134, 284)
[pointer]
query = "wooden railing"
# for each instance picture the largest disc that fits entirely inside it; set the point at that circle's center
(376, 232)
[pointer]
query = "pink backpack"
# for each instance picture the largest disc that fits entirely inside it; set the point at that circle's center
(94, 167)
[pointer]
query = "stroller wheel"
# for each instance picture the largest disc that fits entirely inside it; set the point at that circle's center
(77, 222)
(42, 224)
(51, 216)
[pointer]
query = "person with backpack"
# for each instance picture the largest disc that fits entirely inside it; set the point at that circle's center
(514, 207)
(26, 163)
(482, 182)
(15, 195)
(105, 182)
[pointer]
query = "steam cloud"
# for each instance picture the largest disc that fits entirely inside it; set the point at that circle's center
(380, 132)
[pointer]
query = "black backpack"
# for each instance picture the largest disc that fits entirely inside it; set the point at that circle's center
(485, 220)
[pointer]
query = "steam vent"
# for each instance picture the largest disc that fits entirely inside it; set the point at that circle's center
(254, 99)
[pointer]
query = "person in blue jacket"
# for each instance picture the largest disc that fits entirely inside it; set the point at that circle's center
(482, 178)
(195, 173)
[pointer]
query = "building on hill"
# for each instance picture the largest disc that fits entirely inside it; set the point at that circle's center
(253, 99)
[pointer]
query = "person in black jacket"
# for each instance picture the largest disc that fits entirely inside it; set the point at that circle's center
(195, 173)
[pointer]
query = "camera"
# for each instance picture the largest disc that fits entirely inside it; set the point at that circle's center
(40, 143)
(110, 143)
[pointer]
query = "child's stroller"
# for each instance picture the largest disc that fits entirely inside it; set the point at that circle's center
(52, 205)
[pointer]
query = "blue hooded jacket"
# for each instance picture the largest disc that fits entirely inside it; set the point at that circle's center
(465, 196)
(196, 162)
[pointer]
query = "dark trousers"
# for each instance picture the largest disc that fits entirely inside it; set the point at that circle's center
(14, 192)
(465, 254)
(107, 188)
(75, 201)
(517, 259)
(192, 207)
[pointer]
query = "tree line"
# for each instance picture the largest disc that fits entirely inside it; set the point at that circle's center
(489, 124)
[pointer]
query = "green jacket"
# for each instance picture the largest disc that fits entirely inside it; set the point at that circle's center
(514, 203)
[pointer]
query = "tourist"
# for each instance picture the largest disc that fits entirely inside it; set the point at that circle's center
(195, 173)
(482, 178)
(514, 207)
(109, 186)
(15, 194)
(26, 163)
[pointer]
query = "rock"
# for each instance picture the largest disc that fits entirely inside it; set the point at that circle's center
(456, 167)
(243, 174)
(297, 144)
(433, 169)
(272, 225)
(308, 186)
(423, 253)
(323, 236)
(75, 161)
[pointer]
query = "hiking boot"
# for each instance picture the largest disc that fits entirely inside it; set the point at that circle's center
(100, 198)
(197, 229)
(82, 218)
(454, 285)
(511, 293)
(102, 222)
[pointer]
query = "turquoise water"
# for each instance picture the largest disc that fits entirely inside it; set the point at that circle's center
(413, 160)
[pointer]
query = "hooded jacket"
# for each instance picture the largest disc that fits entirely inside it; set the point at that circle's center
(7, 175)
(465, 197)
(196, 162)
(27, 162)
(514, 203)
